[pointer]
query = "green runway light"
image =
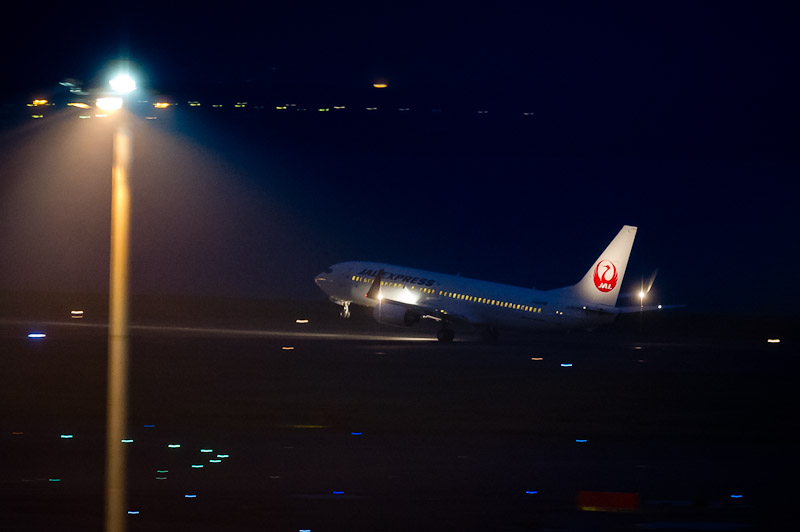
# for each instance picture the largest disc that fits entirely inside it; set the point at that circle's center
(66, 436)
(206, 450)
(174, 445)
(223, 456)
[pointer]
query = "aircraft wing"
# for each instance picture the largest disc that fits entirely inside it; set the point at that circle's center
(424, 311)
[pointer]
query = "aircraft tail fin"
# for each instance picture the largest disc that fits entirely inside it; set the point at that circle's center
(601, 284)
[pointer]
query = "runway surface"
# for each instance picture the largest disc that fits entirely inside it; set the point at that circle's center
(332, 425)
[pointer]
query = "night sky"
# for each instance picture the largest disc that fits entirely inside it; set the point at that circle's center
(682, 120)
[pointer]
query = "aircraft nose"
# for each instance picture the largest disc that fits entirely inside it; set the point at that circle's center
(321, 279)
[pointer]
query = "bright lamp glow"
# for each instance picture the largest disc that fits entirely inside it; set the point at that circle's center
(123, 83)
(641, 295)
(109, 104)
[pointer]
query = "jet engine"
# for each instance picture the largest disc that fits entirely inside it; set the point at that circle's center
(394, 314)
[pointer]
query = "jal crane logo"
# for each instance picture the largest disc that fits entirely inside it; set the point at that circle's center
(605, 276)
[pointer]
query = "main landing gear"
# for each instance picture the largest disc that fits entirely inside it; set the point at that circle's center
(490, 335)
(345, 313)
(445, 334)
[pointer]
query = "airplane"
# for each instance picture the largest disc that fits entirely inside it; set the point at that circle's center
(403, 296)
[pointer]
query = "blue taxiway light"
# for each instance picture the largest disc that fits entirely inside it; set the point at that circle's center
(581, 441)
(36, 336)
(566, 365)
(190, 496)
(338, 493)
(534, 492)
(736, 496)
(133, 512)
(356, 433)
(149, 426)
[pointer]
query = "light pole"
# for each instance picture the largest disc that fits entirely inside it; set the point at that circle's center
(117, 379)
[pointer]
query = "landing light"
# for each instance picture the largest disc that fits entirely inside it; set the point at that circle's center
(123, 83)
(109, 103)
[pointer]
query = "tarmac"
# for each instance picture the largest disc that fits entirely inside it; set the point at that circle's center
(348, 425)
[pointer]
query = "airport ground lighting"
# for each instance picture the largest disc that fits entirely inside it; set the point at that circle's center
(117, 380)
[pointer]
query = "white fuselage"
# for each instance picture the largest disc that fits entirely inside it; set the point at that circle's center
(483, 303)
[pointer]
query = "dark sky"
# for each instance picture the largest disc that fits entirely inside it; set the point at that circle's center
(681, 119)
